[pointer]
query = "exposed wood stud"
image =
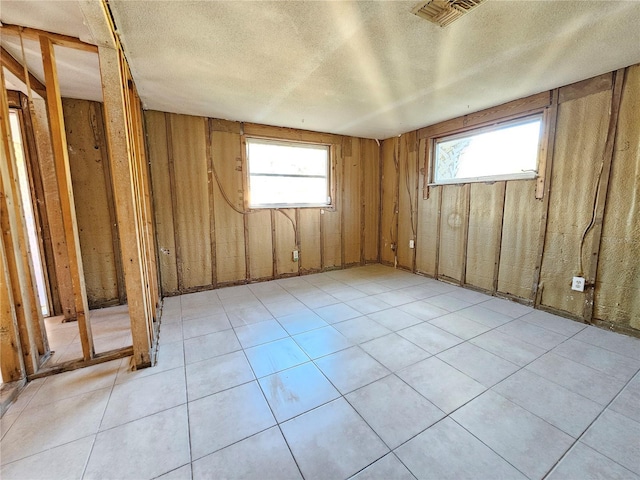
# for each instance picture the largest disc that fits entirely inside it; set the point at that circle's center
(97, 128)
(129, 170)
(496, 259)
(38, 320)
(18, 273)
(274, 250)
(245, 195)
(322, 227)
(39, 202)
(63, 174)
(602, 193)
(501, 113)
(345, 151)
(17, 69)
(212, 216)
(363, 209)
(174, 202)
(381, 197)
(416, 172)
(54, 212)
(465, 233)
(54, 38)
(76, 364)
(396, 206)
(11, 358)
(585, 87)
(551, 117)
(297, 233)
(438, 232)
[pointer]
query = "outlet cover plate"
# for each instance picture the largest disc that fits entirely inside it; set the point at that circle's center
(577, 284)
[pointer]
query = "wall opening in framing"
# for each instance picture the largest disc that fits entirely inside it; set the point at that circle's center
(25, 193)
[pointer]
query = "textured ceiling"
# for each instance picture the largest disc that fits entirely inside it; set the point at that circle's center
(369, 69)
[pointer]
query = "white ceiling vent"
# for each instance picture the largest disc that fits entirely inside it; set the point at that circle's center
(444, 12)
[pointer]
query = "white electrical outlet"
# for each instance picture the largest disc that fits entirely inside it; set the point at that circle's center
(577, 284)
(295, 255)
(412, 244)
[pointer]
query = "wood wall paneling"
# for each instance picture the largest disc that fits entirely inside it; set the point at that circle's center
(370, 171)
(227, 161)
(285, 230)
(580, 134)
(617, 289)
(192, 220)
(485, 231)
(453, 218)
(351, 201)
(156, 128)
(520, 228)
(407, 195)
(332, 217)
(388, 214)
(260, 245)
(94, 201)
(310, 244)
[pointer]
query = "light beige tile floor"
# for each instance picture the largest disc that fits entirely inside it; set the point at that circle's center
(110, 327)
(368, 372)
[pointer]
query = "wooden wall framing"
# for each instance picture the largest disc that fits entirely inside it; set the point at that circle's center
(520, 239)
(199, 191)
(24, 341)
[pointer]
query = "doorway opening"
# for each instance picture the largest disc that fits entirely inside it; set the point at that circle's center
(17, 136)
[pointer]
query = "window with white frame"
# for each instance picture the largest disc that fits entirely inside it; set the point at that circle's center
(504, 151)
(285, 174)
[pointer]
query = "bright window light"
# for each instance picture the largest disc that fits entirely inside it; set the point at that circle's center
(506, 151)
(287, 174)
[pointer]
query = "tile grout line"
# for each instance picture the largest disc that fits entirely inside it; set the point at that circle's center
(586, 430)
(256, 380)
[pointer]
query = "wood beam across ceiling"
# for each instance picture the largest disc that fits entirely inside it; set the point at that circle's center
(16, 68)
(55, 38)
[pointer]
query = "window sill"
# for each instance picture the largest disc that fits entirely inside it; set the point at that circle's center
(487, 179)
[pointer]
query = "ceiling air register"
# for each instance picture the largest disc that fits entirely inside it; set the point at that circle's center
(444, 12)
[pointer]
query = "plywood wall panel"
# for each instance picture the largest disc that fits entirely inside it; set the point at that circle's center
(370, 168)
(485, 225)
(156, 129)
(520, 231)
(260, 245)
(351, 201)
(580, 134)
(309, 231)
(452, 225)
(388, 219)
(85, 139)
(229, 224)
(188, 139)
(286, 226)
(617, 294)
(407, 215)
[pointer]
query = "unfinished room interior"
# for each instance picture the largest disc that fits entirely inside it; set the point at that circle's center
(320, 239)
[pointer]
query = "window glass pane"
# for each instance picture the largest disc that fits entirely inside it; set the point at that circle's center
(287, 173)
(506, 150)
(287, 159)
(288, 190)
